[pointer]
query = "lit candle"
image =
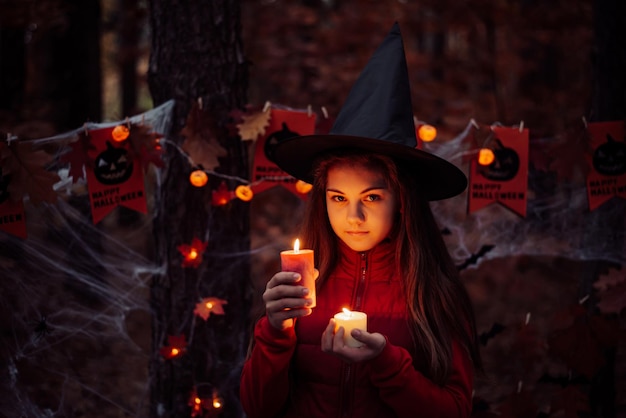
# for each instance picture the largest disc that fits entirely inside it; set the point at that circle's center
(350, 320)
(300, 261)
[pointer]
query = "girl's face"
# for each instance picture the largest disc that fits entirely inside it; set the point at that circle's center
(361, 207)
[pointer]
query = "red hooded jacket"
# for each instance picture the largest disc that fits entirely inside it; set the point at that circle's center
(287, 374)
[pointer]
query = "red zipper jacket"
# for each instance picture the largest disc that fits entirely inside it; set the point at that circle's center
(287, 374)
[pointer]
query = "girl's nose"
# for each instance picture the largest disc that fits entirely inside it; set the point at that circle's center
(356, 214)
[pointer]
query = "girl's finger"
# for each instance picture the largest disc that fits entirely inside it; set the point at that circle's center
(327, 337)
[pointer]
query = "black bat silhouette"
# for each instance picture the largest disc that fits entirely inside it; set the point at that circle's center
(563, 380)
(473, 259)
(496, 329)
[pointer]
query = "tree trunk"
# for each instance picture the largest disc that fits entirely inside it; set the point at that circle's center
(197, 53)
(129, 28)
(609, 104)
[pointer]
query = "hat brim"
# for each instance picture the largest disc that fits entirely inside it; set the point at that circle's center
(438, 179)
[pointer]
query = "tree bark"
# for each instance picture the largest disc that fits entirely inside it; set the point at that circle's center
(196, 52)
(608, 104)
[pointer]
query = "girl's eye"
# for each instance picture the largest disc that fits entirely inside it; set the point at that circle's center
(337, 198)
(372, 197)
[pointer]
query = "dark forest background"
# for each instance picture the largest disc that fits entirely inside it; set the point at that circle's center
(552, 66)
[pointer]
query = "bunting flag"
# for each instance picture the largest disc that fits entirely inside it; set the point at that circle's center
(115, 178)
(607, 174)
(505, 180)
(283, 124)
(12, 217)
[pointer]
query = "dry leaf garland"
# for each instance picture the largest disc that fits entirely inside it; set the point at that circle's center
(26, 168)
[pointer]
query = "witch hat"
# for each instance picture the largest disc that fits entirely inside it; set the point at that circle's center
(377, 117)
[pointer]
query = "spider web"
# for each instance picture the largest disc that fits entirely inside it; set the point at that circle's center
(75, 316)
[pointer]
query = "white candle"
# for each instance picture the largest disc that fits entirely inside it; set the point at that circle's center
(350, 320)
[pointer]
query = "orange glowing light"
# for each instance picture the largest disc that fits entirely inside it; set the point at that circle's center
(427, 133)
(175, 351)
(209, 305)
(198, 178)
(120, 133)
(217, 403)
(198, 401)
(221, 196)
(303, 187)
(244, 193)
(485, 156)
(193, 254)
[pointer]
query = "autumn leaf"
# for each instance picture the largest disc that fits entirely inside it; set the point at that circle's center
(611, 291)
(529, 346)
(209, 306)
(254, 124)
(203, 154)
(612, 278)
(176, 345)
(571, 401)
(78, 156)
(29, 177)
(518, 405)
(201, 144)
(145, 146)
(581, 345)
(192, 253)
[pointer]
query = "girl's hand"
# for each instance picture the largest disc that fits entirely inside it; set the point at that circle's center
(332, 342)
(285, 301)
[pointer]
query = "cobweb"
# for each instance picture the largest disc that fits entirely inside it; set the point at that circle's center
(75, 316)
(74, 308)
(558, 222)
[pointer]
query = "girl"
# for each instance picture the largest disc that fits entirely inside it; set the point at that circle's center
(378, 250)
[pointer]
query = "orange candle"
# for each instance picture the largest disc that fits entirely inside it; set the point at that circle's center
(300, 261)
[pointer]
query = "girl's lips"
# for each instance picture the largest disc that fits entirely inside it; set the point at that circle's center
(356, 232)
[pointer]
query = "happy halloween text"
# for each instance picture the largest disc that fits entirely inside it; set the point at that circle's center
(605, 187)
(492, 191)
(11, 218)
(111, 196)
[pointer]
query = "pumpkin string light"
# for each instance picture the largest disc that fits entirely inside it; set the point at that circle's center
(198, 178)
(485, 156)
(244, 192)
(427, 133)
(120, 133)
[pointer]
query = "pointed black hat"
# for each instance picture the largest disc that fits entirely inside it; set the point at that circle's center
(377, 117)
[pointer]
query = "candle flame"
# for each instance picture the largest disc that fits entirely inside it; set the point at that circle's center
(209, 305)
(347, 311)
(296, 246)
(193, 254)
(175, 351)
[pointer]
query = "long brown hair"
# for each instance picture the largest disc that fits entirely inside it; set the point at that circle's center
(437, 302)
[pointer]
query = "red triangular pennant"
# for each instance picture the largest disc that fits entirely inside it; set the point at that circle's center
(607, 177)
(115, 178)
(505, 180)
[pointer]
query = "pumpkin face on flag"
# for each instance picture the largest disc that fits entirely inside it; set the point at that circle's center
(607, 161)
(610, 158)
(113, 165)
(505, 165)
